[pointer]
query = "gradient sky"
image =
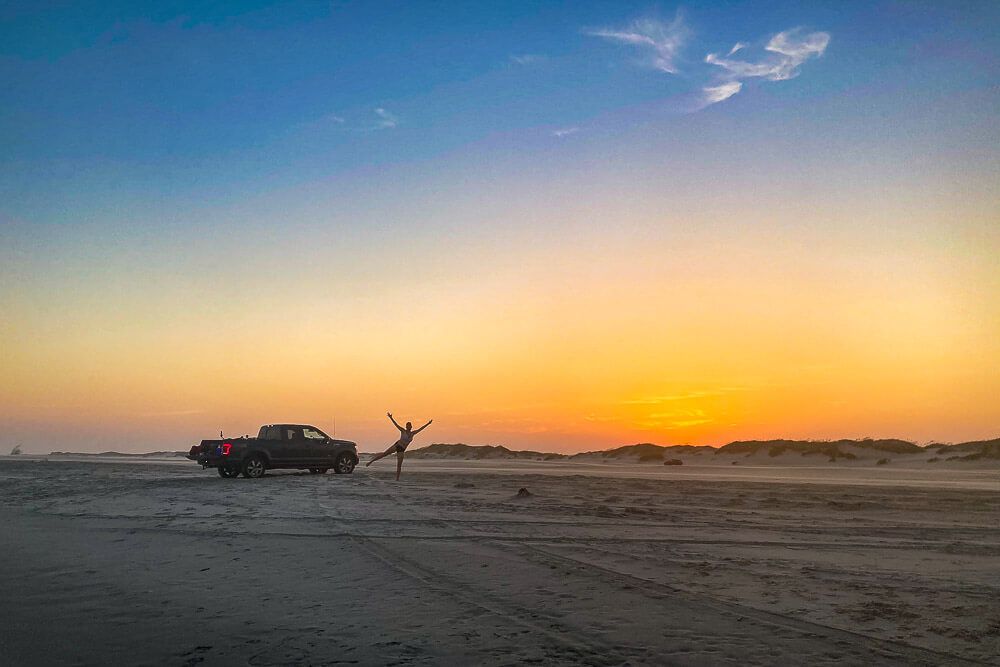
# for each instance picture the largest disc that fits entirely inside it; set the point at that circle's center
(563, 226)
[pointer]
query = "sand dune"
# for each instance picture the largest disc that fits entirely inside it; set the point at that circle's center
(891, 452)
(756, 452)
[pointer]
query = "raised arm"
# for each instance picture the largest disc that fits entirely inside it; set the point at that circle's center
(389, 414)
(423, 427)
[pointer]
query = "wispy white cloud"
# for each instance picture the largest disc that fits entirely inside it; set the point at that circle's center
(783, 57)
(362, 121)
(565, 132)
(713, 94)
(664, 40)
(526, 58)
(786, 52)
(386, 121)
(736, 47)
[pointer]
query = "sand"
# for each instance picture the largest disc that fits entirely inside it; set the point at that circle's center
(159, 562)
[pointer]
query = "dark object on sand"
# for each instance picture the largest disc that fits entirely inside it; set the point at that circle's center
(524, 493)
(465, 485)
(16, 451)
(881, 462)
(674, 462)
(297, 446)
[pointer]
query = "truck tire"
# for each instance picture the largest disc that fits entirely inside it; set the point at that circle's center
(318, 471)
(344, 465)
(229, 472)
(254, 467)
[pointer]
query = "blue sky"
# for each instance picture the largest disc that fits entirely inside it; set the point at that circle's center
(213, 100)
(527, 214)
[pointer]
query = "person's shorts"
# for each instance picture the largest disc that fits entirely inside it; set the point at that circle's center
(400, 448)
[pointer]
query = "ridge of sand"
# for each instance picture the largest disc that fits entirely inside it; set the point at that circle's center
(757, 452)
(864, 452)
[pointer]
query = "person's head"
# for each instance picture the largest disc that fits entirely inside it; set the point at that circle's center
(409, 426)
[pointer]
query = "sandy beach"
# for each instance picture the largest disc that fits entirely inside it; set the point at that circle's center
(159, 562)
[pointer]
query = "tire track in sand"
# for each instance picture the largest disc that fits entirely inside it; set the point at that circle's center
(869, 646)
(888, 648)
(580, 650)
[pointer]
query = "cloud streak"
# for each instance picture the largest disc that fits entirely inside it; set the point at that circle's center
(685, 396)
(713, 94)
(786, 53)
(663, 40)
(526, 59)
(386, 121)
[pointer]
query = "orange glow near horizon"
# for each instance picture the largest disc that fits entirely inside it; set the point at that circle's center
(574, 346)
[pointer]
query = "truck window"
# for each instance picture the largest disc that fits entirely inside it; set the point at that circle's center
(272, 433)
(293, 433)
(312, 433)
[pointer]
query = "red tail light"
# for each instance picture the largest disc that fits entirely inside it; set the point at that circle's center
(226, 447)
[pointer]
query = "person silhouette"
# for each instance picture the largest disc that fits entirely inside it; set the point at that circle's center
(405, 438)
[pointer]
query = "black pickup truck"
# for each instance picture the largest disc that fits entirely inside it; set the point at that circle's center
(297, 446)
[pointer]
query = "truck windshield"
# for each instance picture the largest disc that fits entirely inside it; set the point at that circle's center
(313, 433)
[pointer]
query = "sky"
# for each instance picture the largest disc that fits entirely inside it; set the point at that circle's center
(559, 226)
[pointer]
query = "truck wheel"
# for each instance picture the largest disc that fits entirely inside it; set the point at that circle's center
(344, 465)
(228, 472)
(254, 467)
(318, 471)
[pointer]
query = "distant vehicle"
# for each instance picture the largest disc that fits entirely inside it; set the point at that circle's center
(296, 446)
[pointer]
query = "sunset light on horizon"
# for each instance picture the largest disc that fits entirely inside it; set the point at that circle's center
(564, 228)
